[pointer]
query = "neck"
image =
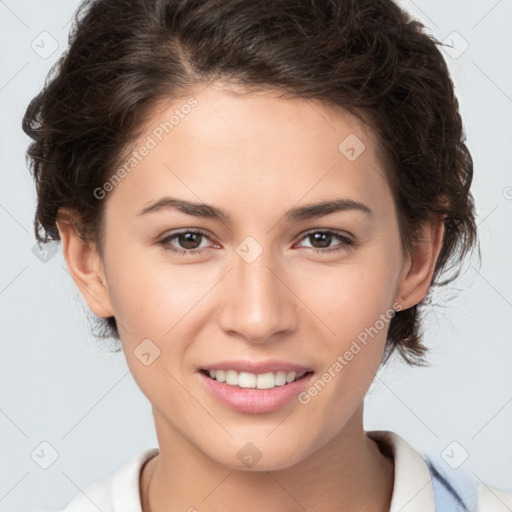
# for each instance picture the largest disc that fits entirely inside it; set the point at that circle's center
(347, 473)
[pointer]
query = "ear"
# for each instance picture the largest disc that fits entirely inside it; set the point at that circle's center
(418, 270)
(84, 264)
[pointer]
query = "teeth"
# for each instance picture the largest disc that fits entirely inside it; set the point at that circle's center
(290, 377)
(232, 378)
(250, 380)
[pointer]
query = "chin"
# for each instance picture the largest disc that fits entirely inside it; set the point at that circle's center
(258, 456)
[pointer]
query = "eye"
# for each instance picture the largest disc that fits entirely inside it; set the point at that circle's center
(321, 241)
(190, 241)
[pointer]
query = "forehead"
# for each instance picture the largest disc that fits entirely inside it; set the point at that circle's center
(250, 149)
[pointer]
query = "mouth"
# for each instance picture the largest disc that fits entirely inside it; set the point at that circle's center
(248, 392)
(250, 380)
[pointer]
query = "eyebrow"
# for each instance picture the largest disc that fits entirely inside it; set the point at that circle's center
(294, 215)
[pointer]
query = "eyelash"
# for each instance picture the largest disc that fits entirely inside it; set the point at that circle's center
(346, 242)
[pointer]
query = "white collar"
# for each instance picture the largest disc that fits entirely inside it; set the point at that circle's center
(412, 490)
(126, 483)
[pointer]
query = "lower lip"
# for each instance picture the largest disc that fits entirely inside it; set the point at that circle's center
(255, 400)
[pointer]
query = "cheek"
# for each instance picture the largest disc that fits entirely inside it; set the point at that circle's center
(351, 297)
(354, 304)
(154, 306)
(150, 297)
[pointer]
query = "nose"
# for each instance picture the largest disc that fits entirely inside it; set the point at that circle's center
(257, 304)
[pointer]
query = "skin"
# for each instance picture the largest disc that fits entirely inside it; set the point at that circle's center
(255, 156)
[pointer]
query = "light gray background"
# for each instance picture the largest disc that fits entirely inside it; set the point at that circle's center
(59, 386)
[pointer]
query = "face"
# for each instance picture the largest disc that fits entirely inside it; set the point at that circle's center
(256, 285)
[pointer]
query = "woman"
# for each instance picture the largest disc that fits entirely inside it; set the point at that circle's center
(255, 198)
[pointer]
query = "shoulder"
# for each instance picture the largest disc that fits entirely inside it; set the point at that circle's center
(460, 491)
(447, 489)
(117, 492)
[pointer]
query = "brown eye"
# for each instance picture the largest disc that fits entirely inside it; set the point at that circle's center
(185, 242)
(321, 241)
(189, 240)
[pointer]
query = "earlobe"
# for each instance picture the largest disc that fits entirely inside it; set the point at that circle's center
(414, 285)
(85, 266)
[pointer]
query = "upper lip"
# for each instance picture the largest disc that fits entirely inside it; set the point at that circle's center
(257, 366)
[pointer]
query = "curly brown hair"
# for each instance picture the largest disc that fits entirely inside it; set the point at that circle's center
(368, 57)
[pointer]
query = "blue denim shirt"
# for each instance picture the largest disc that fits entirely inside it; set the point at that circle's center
(453, 493)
